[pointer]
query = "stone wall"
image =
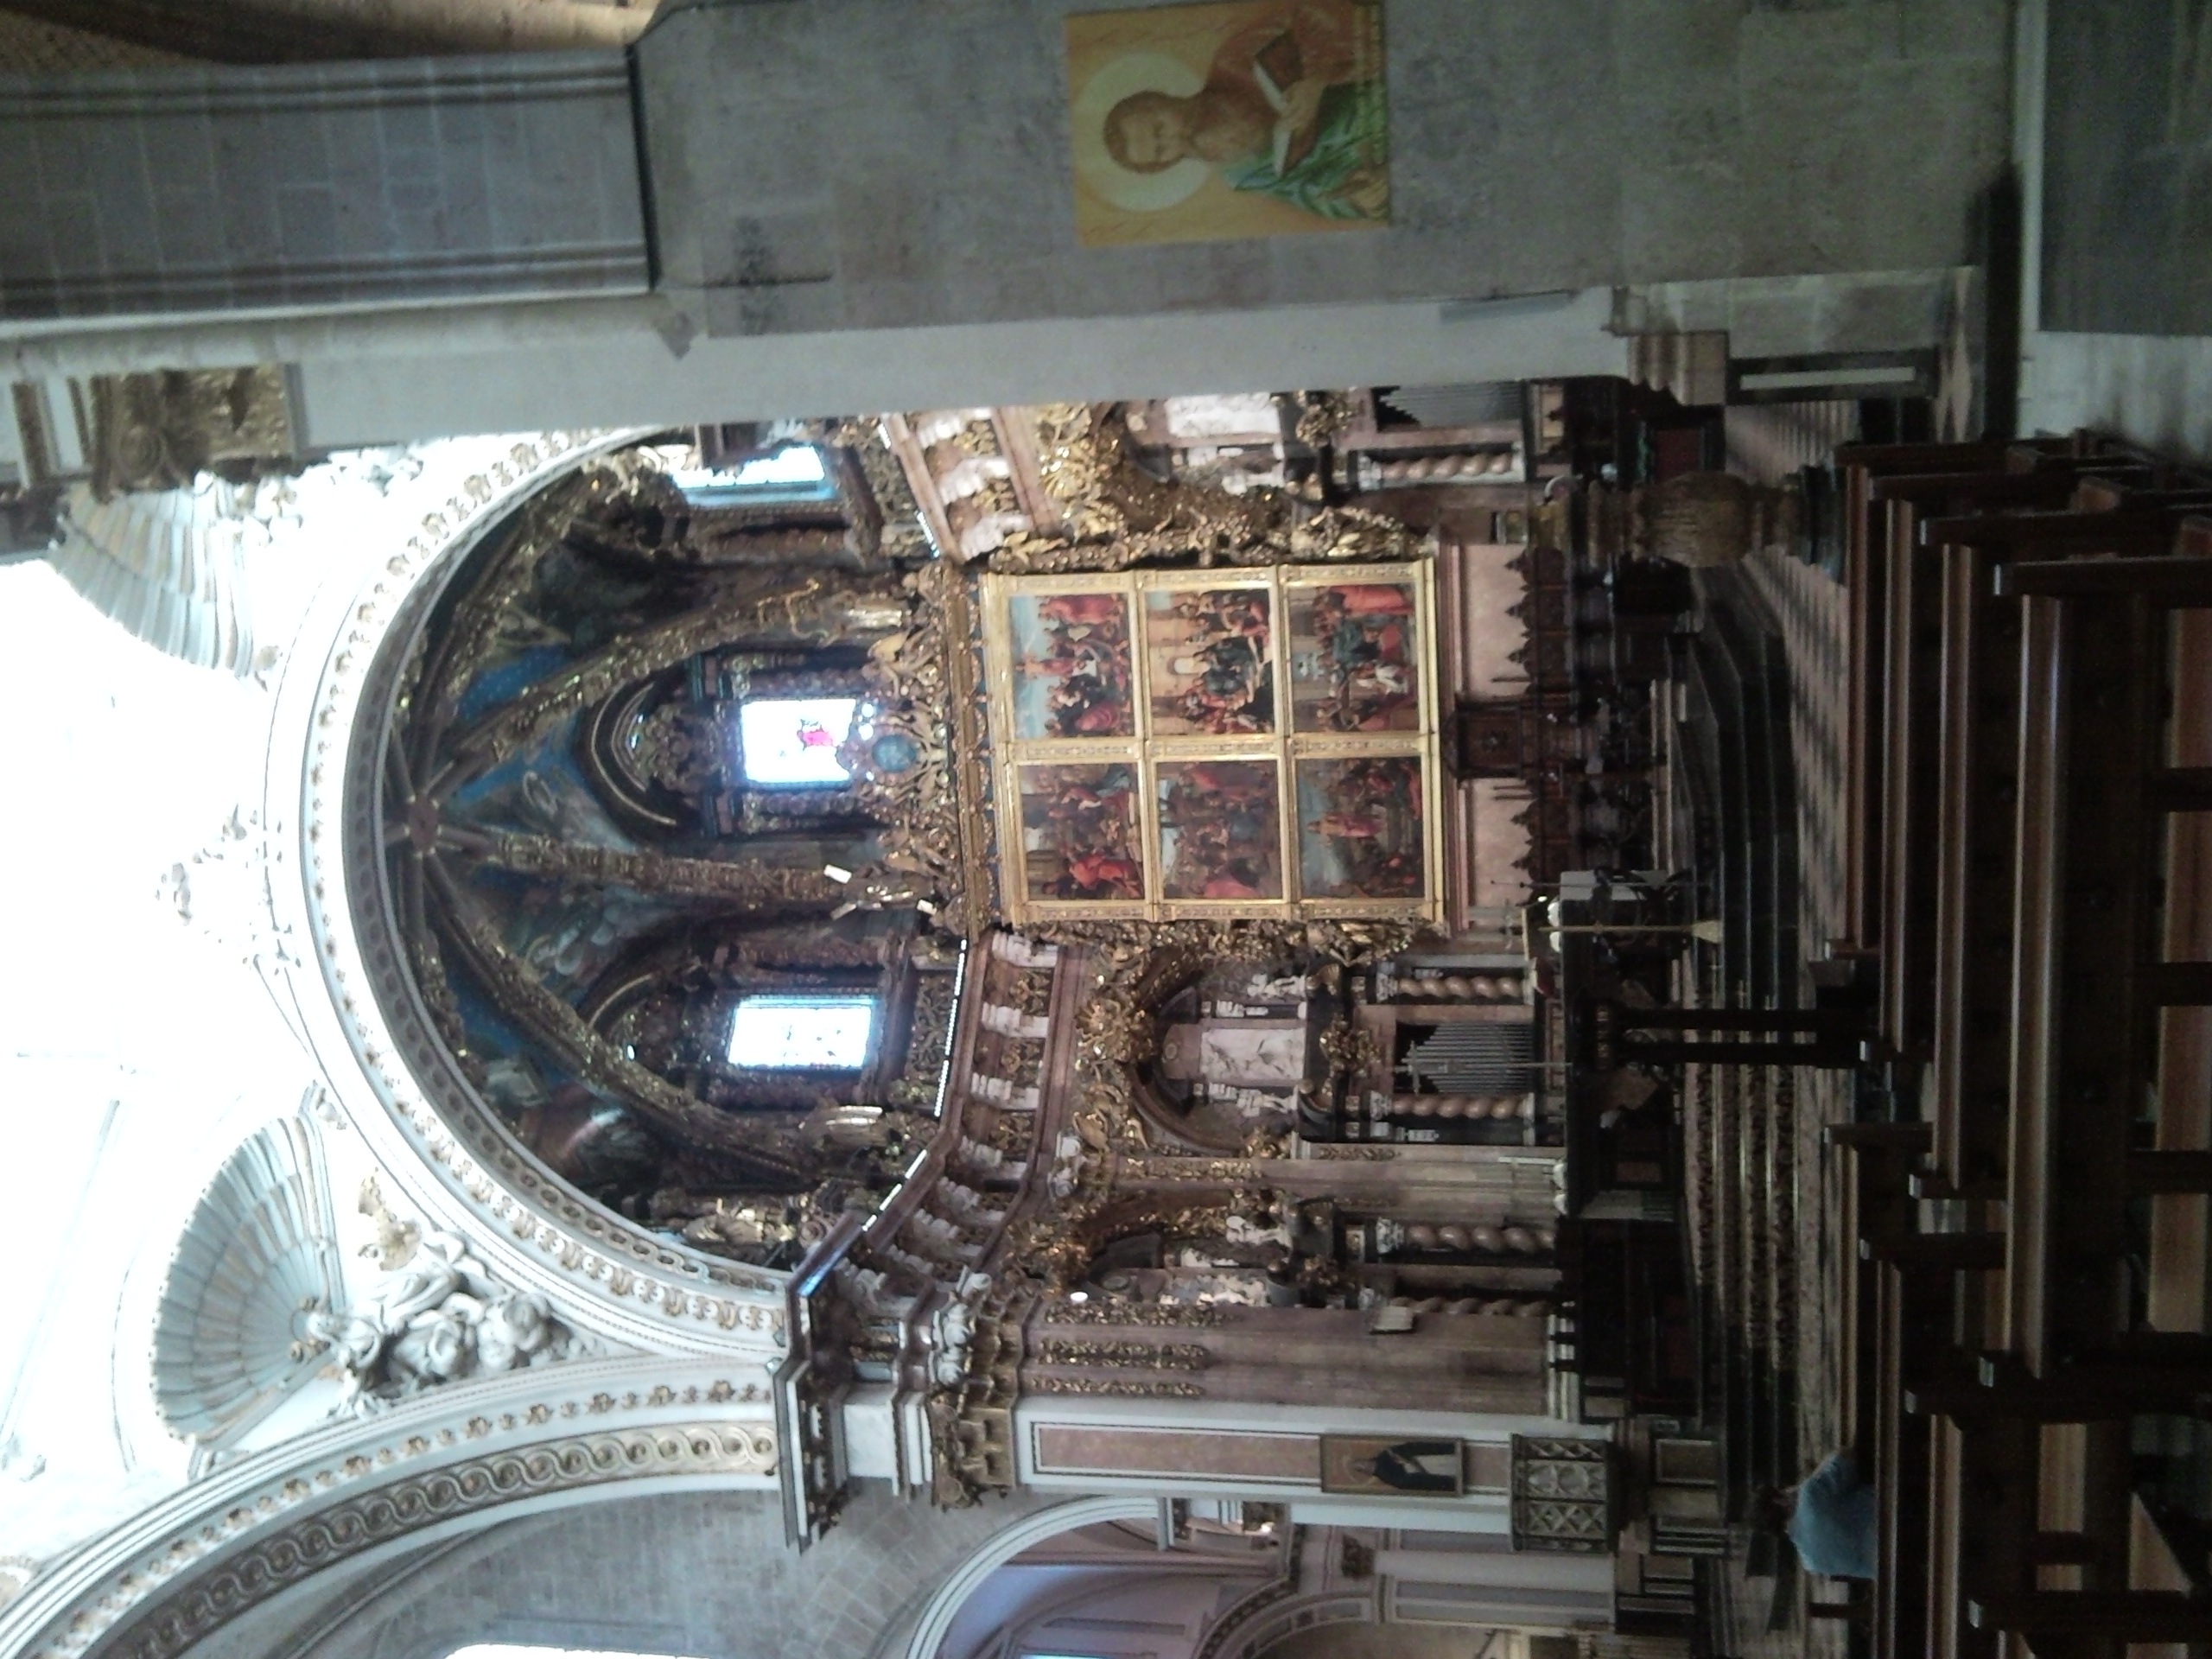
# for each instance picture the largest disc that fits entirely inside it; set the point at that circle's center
(840, 164)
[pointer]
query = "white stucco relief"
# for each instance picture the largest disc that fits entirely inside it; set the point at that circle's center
(450, 1156)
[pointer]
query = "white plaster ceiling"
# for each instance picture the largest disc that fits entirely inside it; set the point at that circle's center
(138, 1045)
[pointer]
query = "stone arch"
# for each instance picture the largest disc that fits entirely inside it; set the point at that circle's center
(347, 985)
(443, 1462)
(934, 1621)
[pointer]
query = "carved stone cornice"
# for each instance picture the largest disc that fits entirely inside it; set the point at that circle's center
(182, 1568)
(357, 1007)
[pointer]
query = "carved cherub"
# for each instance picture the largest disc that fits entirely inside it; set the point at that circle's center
(395, 1240)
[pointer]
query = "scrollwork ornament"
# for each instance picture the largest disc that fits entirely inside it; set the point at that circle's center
(346, 1529)
(1132, 1355)
(1119, 1386)
(1115, 514)
(1103, 1311)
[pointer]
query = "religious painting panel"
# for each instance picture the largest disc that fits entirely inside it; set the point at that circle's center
(1362, 828)
(1160, 749)
(1210, 660)
(1071, 663)
(1220, 830)
(1386, 1465)
(1082, 832)
(1358, 652)
(1251, 117)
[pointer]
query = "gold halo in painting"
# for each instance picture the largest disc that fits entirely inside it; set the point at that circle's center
(1134, 72)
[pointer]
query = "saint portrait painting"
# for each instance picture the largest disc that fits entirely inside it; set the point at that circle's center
(1355, 658)
(1220, 830)
(1378, 1463)
(1359, 828)
(1210, 658)
(1251, 117)
(1071, 672)
(1080, 832)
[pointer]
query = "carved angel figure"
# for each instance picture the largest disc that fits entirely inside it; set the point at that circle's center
(439, 1319)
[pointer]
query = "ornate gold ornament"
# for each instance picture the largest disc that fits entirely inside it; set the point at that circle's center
(1121, 1387)
(1138, 1356)
(1105, 1311)
(1115, 514)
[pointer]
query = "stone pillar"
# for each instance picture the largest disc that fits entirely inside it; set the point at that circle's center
(193, 191)
(857, 205)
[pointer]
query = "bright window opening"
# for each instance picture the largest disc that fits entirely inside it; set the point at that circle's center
(794, 473)
(813, 1032)
(794, 739)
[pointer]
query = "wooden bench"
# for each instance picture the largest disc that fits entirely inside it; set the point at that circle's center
(1977, 717)
(1865, 560)
(2091, 793)
(1892, 868)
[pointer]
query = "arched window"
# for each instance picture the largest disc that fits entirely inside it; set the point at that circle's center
(792, 742)
(794, 473)
(811, 1031)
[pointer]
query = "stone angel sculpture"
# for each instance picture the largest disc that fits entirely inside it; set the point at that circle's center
(440, 1317)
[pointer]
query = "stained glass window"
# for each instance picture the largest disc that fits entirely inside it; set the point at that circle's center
(794, 739)
(815, 1031)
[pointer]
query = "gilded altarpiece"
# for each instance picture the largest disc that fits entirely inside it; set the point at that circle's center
(1215, 743)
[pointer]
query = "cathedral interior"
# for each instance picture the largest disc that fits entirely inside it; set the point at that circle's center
(1256, 830)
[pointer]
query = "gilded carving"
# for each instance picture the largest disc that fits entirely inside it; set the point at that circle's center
(1121, 1387)
(813, 609)
(1116, 515)
(912, 674)
(903, 536)
(1098, 1311)
(751, 883)
(160, 431)
(772, 1146)
(1136, 1356)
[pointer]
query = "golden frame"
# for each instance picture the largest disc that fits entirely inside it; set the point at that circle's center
(1144, 751)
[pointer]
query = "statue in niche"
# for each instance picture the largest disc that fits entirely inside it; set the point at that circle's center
(1252, 1054)
(440, 1319)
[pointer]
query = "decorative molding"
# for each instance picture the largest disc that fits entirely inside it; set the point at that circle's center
(1237, 1624)
(942, 1608)
(440, 1141)
(1259, 1622)
(260, 1249)
(437, 1318)
(468, 1487)
(359, 1481)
